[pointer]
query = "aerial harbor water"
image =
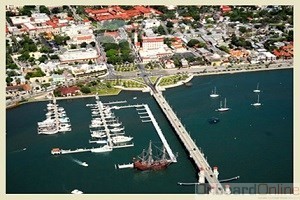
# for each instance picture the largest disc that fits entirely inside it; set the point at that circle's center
(247, 141)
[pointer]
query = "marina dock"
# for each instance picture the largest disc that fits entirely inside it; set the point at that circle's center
(147, 110)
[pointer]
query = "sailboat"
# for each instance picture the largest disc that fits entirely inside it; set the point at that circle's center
(257, 88)
(222, 109)
(257, 103)
(214, 93)
(147, 161)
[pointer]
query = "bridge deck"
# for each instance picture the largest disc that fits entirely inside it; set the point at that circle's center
(189, 144)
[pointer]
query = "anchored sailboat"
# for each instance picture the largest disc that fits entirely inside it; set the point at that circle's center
(214, 93)
(257, 88)
(222, 109)
(257, 103)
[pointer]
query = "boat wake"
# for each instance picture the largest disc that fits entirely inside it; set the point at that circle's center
(79, 162)
(18, 150)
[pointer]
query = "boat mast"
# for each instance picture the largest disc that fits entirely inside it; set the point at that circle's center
(215, 90)
(220, 104)
(164, 153)
(150, 158)
(225, 103)
(258, 98)
(257, 86)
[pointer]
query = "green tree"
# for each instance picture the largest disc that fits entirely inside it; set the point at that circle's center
(242, 29)
(169, 24)
(53, 57)
(161, 30)
(111, 52)
(44, 9)
(93, 44)
(56, 10)
(24, 56)
(73, 46)
(8, 80)
(80, 10)
(83, 45)
(193, 42)
(43, 58)
(224, 48)
(85, 90)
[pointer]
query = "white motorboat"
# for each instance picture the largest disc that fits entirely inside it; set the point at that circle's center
(84, 164)
(47, 131)
(116, 129)
(76, 192)
(121, 139)
(115, 124)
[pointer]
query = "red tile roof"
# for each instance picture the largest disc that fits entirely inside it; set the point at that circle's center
(115, 12)
(225, 8)
(154, 39)
(68, 90)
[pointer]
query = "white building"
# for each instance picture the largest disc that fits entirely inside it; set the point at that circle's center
(86, 68)
(18, 20)
(40, 17)
(79, 33)
(78, 55)
(150, 23)
(152, 43)
(48, 67)
(153, 48)
(57, 78)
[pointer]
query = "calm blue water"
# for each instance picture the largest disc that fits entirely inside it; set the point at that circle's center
(254, 143)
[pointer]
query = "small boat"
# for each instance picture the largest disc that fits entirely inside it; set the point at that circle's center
(76, 192)
(98, 141)
(223, 109)
(121, 139)
(134, 97)
(214, 93)
(84, 164)
(257, 103)
(257, 89)
(116, 129)
(55, 151)
(213, 120)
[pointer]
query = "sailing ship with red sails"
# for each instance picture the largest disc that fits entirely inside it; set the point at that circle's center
(147, 161)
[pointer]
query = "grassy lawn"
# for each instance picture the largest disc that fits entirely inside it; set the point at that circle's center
(169, 80)
(153, 79)
(125, 83)
(126, 68)
(104, 90)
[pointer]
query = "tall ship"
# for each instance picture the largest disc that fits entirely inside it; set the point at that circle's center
(147, 161)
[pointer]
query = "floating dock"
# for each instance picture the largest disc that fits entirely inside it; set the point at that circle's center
(124, 166)
(62, 151)
(123, 146)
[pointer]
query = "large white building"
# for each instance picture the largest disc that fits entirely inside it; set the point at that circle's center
(153, 48)
(78, 55)
(150, 23)
(87, 69)
(79, 33)
(152, 43)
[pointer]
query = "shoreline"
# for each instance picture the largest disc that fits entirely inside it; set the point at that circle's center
(162, 88)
